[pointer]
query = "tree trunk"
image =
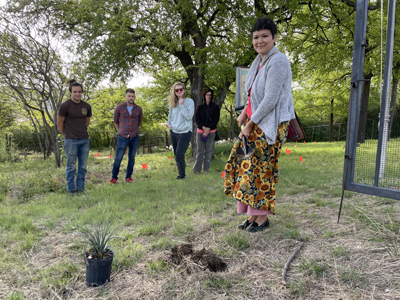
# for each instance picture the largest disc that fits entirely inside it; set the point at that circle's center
(364, 108)
(196, 78)
(393, 100)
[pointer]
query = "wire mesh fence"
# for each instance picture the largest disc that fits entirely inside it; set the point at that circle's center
(366, 158)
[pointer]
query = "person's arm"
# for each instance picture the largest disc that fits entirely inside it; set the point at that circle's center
(199, 121)
(242, 117)
(215, 119)
(60, 124)
(87, 121)
(169, 126)
(187, 109)
(116, 118)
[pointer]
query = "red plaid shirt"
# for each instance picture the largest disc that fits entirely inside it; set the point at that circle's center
(128, 124)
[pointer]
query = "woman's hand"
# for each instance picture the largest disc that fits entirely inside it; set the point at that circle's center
(206, 130)
(242, 117)
(169, 126)
(247, 129)
(181, 100)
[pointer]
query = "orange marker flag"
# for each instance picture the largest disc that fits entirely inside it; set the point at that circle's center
(301, 158)
(304, 142)
(223, 174)
(295, 146)
(98, 153)
(144, 166)
(109, 155)
(170, 157)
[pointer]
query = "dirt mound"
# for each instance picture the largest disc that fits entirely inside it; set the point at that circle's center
(204, 258)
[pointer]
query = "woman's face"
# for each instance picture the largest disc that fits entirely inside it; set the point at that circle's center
(263, 41)
(179, 91)
(208, 97)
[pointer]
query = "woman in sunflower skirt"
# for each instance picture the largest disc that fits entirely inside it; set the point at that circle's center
(252, 181)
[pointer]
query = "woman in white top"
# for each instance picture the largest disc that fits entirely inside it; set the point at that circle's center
(180, 123)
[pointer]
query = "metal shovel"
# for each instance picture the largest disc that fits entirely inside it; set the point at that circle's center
(245, 152)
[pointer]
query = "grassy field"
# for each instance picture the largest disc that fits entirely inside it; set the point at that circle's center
(41, 257)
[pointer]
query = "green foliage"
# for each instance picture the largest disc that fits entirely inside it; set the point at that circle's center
(97, 237)
(7, 111)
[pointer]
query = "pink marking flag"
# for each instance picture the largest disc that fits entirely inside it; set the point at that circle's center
(301, 158)
(223, 174)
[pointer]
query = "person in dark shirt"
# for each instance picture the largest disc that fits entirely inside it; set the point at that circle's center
(207, 118)
(127, 118)
(73, 118)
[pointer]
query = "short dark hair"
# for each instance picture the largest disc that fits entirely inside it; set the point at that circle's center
(130, 91)
(205, 91)
(265, 23)
(72, 83)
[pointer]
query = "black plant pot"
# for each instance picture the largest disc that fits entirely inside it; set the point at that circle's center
(98, 270)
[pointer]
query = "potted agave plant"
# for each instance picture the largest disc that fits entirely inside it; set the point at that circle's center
(98, 257)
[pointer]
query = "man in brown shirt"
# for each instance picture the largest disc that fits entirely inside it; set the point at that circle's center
(73, 118)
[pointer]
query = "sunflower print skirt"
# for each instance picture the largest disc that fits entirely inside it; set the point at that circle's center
(253, 181)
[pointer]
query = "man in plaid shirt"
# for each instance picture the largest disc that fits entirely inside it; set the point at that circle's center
(127, 118)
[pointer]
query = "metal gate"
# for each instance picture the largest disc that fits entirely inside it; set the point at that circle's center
(372, 166)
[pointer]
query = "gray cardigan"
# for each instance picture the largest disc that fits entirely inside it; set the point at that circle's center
(271, 93)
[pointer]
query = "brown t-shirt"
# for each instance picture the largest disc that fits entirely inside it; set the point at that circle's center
(75, 119)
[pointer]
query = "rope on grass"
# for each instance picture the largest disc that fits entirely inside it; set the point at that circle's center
(288, 263)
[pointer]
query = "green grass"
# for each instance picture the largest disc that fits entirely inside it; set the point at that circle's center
(312, 267)
(156, 212)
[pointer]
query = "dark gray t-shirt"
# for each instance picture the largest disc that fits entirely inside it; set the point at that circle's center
(75, 115)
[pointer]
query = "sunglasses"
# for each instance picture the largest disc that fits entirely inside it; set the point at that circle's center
(179, 90)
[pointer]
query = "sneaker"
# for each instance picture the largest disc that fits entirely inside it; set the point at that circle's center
(206, 172)
(180, 178)
(113, 180)
(129, 180)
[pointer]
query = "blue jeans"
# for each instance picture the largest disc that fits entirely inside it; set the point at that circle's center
(76, 149)
(122, 144)
(180, 143)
